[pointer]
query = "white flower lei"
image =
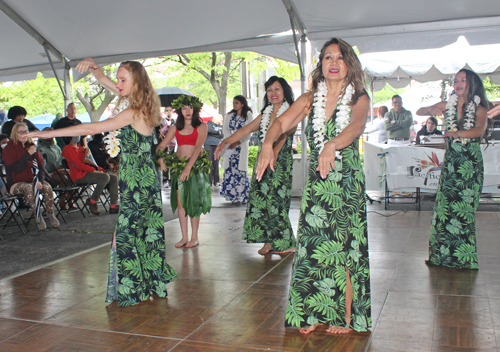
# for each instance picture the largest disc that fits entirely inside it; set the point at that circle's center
(112, 141)
(266, 116)
(343, 116)
(451, 109)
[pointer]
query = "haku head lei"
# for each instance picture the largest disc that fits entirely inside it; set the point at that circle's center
(187, 100)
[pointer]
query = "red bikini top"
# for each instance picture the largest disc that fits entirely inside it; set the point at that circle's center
(188, 139)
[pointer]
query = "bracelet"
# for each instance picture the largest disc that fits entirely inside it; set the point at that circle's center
(95, 67)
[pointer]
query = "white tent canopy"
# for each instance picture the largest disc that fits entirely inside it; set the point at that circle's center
(398, 68)
(116, 30)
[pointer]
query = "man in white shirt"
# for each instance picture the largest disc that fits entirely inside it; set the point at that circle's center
(376, 129)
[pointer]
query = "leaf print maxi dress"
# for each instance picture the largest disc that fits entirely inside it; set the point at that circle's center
(266, 219)
(453, 230)
(137, 267)
(332, 236)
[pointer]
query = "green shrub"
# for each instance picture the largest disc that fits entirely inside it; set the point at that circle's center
(252, 156)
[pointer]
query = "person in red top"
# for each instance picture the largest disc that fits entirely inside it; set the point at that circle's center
(82, 172)
(189, 146)
(18, 156)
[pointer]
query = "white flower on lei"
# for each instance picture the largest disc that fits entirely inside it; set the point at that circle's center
(112, 141)
(470, 114)
(343, 115)
(266, 116)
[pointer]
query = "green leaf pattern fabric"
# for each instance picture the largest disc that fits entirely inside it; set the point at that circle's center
(453, 229)
(267, 219)
(332, 236)
(137, 267)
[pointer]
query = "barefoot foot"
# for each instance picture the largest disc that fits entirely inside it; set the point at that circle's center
(181, 244)
(192, 244)
(338, 330)
(308, 329)
(265, 249)
(290, 250)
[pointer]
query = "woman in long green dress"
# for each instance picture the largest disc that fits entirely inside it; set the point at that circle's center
(267, 219)
(330, 282)
(453, 230)
(137, 267)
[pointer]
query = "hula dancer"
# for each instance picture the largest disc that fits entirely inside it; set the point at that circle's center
(189, 179)
(137, 267)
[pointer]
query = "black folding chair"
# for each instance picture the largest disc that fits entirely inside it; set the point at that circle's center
(77, 191)
(11, 213)
(10, 209)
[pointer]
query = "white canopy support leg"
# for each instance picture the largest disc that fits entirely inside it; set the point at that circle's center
(68, 96)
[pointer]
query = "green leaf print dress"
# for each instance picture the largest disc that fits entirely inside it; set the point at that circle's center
(266, 219)
(453, 230)
(137, 267)
(332, 236)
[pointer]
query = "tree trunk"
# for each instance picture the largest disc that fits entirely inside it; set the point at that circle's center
(95, 114)
(218, 83)
(225, 76)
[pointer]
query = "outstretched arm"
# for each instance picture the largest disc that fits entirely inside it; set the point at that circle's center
(123, 119)
(91, 65)
(238, 135)
(280, 142)
(437, 109)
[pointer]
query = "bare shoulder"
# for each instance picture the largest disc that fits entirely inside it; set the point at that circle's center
(203, 127)
(363, 99)
(481, 110)
(304, 99)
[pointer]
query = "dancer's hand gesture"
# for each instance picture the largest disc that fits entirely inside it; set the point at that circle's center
(494, 112)
(219, 150)
(86, 64)
(266, 158)
(326, 160)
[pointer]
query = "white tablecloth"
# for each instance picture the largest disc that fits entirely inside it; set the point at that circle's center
(409, 167)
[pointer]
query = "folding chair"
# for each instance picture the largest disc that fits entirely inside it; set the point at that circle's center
(77, 191)
(10, 209)
(11, 212)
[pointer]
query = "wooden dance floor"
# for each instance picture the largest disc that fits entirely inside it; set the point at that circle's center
(229, 298)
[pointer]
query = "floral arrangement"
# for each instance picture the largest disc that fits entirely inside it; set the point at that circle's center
(174, 164)
(470, 115)
(343, 116)
(112, 143)
(266, 116)
(187, 100)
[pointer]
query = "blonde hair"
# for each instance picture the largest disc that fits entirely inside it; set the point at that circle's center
(142, 98)
(13, 133)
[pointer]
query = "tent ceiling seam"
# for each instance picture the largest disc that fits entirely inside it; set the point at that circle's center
(450, 25)
(222, 46)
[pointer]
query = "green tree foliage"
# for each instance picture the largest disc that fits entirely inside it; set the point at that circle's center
(38, 96)
(386, 94)
(202, 74)
(492, 90)
(253, 150)
(215, 77)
